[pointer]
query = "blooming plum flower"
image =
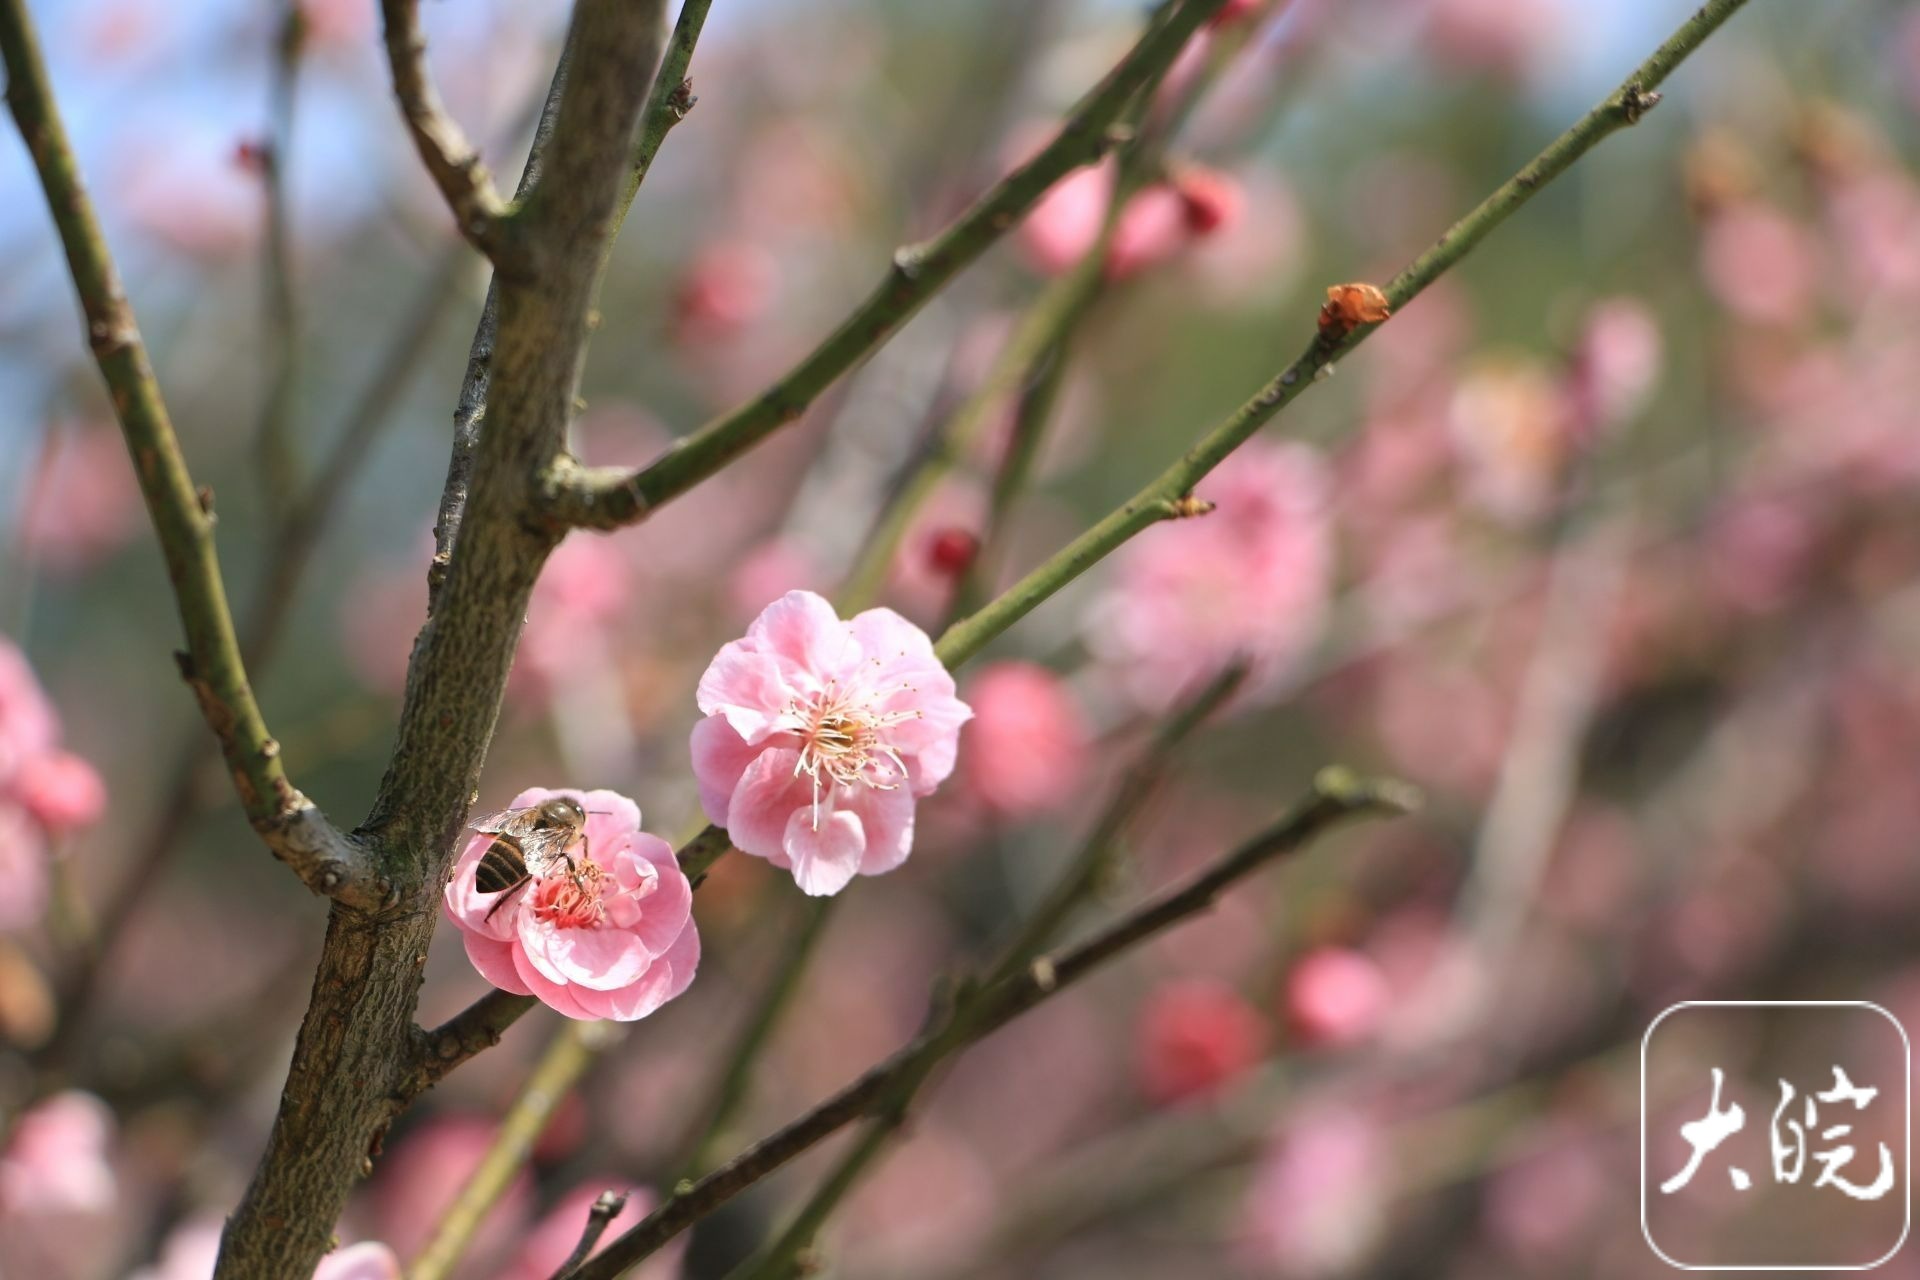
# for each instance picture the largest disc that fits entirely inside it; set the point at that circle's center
(1196, 1036)
(1334, 996)
(1030, 740)
(820, 736)
(606, 932)
(1248, 582)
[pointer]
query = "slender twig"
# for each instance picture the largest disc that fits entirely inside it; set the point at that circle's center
(715, 1115)
(671, 100)
(574, 1048)
(1337, 795)
(600, 1216)
(450, 160)
(1163, 498)
(1078, 882)
(329, 861)
(607, 498)
(273, 438)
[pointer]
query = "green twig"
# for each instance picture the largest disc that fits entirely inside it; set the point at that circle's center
(273, 439)
(716, 1114)
(607, 498)
(573, 1049)
(1163, 498)
(1337, 796)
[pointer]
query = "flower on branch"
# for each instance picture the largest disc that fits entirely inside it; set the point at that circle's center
(605, 931)
(820, 736)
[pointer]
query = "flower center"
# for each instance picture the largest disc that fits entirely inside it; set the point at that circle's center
(843, 743)
(570, 899)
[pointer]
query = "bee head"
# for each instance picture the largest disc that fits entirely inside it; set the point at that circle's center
(561, 811)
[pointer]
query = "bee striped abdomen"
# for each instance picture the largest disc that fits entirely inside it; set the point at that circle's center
(501, 867)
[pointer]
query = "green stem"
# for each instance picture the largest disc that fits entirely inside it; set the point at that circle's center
(572, 1050)
(718, 1112)
(609, 498)
(1162, 498)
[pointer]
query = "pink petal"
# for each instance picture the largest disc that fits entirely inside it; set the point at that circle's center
(885, 635)
(664, 913)
(556, 997)
(682, 959)
(494, 960)
(633, 1001)
(748, 688)
(827, 857)
(802, 628)
(933, 740)
(603, 959)
(609, 815)
(769, 793)
(886, 818)
(720, 756)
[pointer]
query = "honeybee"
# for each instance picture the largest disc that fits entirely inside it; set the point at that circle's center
(526, 842)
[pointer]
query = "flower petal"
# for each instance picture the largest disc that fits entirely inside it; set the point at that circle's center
(720, 756)
(825, 857)
(748, 688)
(555, 996)
(887, 819)
(769, 792)
(494, 960)
(802, 630)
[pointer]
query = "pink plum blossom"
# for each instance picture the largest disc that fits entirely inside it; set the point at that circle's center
(1760, 264)
(84, 504)
(1066, 222)
(55, 1160)
(606, 933)
(25, 876)
(1030, 740)
(1318, 1202)
(1197, 1035)
(553, 1238)
(1334, 996)
(1248, 582)
(28, 723)
(61, 790)
(1615, 364)
(820, 736)
(1152, 228)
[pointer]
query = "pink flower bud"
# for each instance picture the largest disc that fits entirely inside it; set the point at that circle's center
(1030, 741)
(1211, 200)
(1334, 996)
(62, 791)
(1196, 1036)
(1066, 222)
(1152, 228)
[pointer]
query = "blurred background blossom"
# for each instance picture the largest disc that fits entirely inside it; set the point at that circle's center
(1608, 541)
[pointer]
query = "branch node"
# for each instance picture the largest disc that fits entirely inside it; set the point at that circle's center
(1636, 102)
(1190, 507)
(682, 99)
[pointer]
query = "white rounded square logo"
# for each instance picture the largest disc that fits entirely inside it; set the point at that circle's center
(1776, 1135)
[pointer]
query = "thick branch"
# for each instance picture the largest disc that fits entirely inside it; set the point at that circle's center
(1162, 499)
(354, 1059)
(606, 498)
(1337, 795)
(450, 159)
(296, 831)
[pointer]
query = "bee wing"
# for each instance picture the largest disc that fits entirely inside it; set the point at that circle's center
(506, 822)
(547, 843)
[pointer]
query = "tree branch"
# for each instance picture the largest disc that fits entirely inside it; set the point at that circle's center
(357, 1053)
(1337, 795)
(1162, 499)
(600, 1216)
(292, 827)
(450, 159)
(607, 498)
